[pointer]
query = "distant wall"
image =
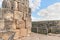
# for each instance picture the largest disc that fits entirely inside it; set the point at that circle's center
(45, 27)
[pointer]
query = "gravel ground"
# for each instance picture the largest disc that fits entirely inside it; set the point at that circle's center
(35, 36)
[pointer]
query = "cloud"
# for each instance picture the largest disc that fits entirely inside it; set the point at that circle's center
(52, 12)
(1, 0)
(38, 19)
(34, 4)
(35, 19)
(1, 3)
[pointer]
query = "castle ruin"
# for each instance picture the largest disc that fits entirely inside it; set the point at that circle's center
(15, 19)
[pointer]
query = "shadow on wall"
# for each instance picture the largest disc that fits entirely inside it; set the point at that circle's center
(45, 27)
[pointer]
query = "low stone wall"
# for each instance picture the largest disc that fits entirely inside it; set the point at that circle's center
(46, 26)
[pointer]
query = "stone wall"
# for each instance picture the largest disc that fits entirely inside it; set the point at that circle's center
(15, 19)
(46, 27)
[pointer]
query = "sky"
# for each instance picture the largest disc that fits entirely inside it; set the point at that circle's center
(44, 9)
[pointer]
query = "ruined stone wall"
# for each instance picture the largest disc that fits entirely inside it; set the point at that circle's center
(15, 19)
(45, 27)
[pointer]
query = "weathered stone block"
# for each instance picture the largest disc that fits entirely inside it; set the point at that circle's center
(28, 31)
(13, 26)
(21, 24)
(18, 15)
(7, 35)
(25, 9)
(28, 24)
(17, 34)
(20, 7)
(1, 16)
(15, 6)
(1, 24)
(25, 15)
(8, 25)
(4, 3)
(23, 32)
(8, 15)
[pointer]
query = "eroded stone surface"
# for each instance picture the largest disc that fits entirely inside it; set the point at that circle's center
(15, 14)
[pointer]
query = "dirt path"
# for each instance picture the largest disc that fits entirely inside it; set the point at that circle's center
(35, 36)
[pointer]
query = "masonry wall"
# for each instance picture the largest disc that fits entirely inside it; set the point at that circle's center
(15, 19)
(45, 27)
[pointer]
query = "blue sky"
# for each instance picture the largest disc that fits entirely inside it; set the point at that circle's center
(43, 5)
(37, 6)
